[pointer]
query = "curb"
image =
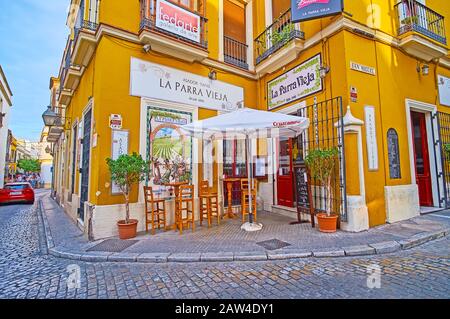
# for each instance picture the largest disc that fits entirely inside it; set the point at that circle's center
(283, 254)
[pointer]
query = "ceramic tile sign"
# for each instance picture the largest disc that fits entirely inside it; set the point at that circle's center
(295, 84)
(303, 10)
(174, 19)
(119, 147)
(362, 68)
(371, 138)
(444, 90)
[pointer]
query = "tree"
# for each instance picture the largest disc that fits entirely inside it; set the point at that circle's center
(126, 171)
(29, 165)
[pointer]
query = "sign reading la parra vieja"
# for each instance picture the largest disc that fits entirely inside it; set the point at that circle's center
(301, 81)
(163, 83)
(303, 10)
(179, 21)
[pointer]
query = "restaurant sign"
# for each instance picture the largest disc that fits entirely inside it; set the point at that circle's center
(313, 9)
(297, 83)
(177, 20)
(163, 83)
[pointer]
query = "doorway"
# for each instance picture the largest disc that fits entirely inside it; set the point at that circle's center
(421, 158)
(285, 176)
(86, 152)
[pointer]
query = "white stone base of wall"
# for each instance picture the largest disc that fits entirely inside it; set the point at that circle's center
(265, 194)
(402, 202)
(357, 215)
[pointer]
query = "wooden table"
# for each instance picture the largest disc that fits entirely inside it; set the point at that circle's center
(229, 182)
(176, 190)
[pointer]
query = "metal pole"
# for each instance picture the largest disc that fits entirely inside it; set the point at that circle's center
(249, 172)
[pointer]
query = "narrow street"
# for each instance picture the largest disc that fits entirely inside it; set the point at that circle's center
(27, 272)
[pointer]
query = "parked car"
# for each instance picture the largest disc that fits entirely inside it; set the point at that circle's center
(17, 192)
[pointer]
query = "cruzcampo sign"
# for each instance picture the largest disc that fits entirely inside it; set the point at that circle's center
(303, 10)
(297, 83)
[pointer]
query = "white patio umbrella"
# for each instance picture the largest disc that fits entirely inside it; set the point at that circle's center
(247, 124)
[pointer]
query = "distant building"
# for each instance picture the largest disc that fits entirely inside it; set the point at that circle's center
(5, 106)
(45, 158)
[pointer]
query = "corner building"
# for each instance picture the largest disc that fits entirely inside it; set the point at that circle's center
(373, 78)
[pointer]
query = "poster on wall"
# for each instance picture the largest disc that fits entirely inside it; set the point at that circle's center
(444, 90)
(169, 150)
(163, 83)
(303, 10)
(297, 83)
(371, 138)
(177, 20)
(119, 147)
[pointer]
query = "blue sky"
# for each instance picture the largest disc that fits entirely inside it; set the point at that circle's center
(33, 35)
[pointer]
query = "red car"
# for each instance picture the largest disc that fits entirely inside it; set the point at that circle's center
(17, 192)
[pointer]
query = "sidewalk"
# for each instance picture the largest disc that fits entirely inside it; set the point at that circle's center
(277, 240)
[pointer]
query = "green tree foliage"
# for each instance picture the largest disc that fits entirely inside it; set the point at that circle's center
(29, 165)
(126, 171)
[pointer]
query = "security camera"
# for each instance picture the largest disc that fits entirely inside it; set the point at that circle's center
(146, 48)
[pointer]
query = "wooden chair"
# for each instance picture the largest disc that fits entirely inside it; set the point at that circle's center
(209, 204)
(155, 210)
(184, 207)
(245, 197)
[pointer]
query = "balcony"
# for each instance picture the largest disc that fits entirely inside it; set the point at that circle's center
(235, 52)
(71, 74)
(421, 30)
(85, 42)
(65, 96)
(188, 48)
(278, 45)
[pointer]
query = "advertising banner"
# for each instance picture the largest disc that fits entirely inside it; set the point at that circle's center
(163, 83)
(312, 9)
(177, 20)
(297, 83)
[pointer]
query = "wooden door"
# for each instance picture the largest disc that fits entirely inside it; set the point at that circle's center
(285, 177)
(422, 158)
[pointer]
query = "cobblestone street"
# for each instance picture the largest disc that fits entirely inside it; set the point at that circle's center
(27, 272)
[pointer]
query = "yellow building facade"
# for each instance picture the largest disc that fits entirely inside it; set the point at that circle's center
(373, 79)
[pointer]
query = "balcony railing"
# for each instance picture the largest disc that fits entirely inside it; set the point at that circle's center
(148, 21)
(235, 52)
(414, 16)
(67, 62)
(281, 32)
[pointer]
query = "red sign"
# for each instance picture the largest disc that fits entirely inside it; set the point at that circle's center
(305, 3)
(177, 20)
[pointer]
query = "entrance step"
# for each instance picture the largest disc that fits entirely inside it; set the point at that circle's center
(289, 212)
(428, 210)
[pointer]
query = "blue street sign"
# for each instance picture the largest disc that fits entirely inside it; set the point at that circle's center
(303, 10)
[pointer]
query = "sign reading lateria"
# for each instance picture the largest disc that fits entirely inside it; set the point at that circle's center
(301, 81)
(163, 83)
(174, 19)
(303, 10)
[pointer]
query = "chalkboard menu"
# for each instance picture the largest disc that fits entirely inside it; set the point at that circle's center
(302, 187)
(393, 154)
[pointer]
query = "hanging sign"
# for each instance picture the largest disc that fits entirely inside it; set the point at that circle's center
(163, 83)
(177, 20)
(297, 83)
(119, 147)
(313, 9)
(115, 121)
(371, 138)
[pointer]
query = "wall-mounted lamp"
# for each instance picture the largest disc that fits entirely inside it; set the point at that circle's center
(425, 69)
(212, 75)
(323, 71)
(48, 150)
(147, 48)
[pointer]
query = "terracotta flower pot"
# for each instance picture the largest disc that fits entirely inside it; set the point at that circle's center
(327, 224)
(127, 231)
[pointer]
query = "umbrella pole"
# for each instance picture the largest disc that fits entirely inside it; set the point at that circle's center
(249, 173)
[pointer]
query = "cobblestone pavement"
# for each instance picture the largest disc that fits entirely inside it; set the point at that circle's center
(27, 272)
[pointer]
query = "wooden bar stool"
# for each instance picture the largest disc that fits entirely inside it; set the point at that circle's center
(209, 204)
(245, 197)
(184, 207)
(155, 210)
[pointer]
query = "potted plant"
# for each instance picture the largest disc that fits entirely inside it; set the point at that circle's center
(447, 151)
(411, 20)
(126, 171)
(321, 164)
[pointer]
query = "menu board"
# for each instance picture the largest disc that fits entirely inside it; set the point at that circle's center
(302, 187)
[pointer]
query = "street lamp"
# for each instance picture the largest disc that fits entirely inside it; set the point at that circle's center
(48, 150)
(50, 117)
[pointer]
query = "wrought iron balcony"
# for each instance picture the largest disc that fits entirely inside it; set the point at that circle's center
(416, 17)
(235, 52)
(277, 35)
(148, 22)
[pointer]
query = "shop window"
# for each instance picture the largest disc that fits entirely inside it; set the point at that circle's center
(393, 154)
(234, 166)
